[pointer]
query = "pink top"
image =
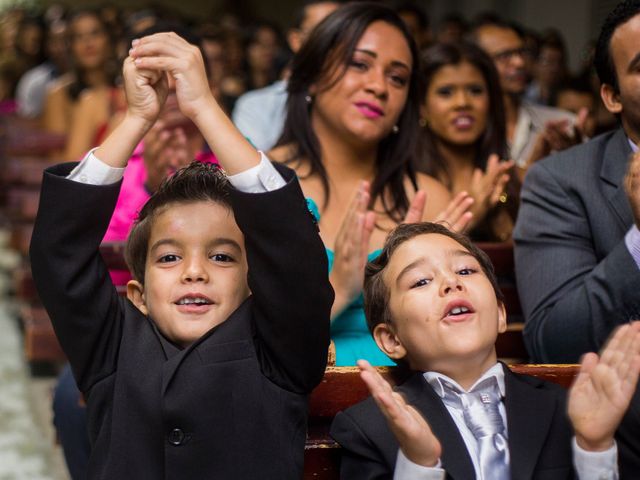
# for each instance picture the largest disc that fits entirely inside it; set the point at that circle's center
(133, 196)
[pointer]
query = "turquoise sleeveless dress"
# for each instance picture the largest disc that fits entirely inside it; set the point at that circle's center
(349, 330)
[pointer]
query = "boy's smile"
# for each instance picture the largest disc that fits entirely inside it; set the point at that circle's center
(444, 309)
(196, 270)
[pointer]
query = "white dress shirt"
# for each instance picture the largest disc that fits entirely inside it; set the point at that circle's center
(262, 178)
(588, 465)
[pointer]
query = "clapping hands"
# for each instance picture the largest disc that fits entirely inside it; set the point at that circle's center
(601, 393)
(417, 441)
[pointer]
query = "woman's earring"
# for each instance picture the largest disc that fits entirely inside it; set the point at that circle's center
(395, 129)
(308, 99)
(423, 122)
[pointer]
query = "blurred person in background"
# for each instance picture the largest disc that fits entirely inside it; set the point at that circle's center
(93, 72)
(463, 136)
(417, 21)
(32, 87)
(576, 95)
(532, 130)
(260, 114)
(549, 69)
(452, 28)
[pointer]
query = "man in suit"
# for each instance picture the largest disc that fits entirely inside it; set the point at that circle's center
(433, 303)
(577, 245)
(576, 239)
(205, 369)
(532, 130)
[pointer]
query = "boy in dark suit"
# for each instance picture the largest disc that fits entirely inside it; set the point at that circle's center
(204, 370)
(432, 302)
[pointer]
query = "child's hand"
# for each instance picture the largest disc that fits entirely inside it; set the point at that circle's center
(601, 393)
(350, 250)
(417, 441)
(146, 91)
(183, 62)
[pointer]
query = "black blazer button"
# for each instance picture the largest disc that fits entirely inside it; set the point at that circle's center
(176, 437)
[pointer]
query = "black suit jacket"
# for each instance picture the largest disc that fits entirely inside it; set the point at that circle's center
(539, 432)
(233, 404)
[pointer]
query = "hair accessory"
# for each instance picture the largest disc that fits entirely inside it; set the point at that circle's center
(308, 99)
(395, 129)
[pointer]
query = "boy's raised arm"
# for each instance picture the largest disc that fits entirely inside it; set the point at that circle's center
(68, 270)
(146, 91)
(291, 295)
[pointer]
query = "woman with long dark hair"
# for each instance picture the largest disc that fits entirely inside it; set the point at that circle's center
(83, 102)
(351, 135)
(463, 135)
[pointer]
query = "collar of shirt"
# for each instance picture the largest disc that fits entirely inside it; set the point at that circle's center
(437, 379)
(634, 147)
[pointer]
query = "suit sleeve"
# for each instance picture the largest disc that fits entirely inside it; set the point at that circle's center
(289, 284)
(571, 300)
(361, 459)
(70, 275)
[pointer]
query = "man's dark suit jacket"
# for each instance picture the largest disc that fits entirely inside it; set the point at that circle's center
(232, 405)
(576, 278)
(539, 432)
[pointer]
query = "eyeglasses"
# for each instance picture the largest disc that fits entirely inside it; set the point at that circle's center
(506, 55)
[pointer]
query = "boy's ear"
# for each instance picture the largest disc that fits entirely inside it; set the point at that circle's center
(388, 341)
(135, 293)
(610, 98)
(502, 318)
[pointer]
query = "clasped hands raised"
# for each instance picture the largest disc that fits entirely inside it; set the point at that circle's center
(158, 62)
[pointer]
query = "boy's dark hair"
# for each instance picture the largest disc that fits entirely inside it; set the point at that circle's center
(603, 61)
(193, 183)
(376, 292)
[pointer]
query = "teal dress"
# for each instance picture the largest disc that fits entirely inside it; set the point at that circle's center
(349, 330)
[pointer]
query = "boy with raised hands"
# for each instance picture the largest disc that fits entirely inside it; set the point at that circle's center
(433, 303)
(203, 371)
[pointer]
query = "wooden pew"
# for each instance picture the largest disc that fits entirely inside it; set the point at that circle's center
(510, 344)
(342, 387)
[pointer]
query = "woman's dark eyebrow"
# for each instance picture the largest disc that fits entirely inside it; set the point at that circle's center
(395, 63)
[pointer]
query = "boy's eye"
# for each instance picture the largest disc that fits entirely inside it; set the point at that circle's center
(421, 283)
(168, 258)
(467, 271)
(221, 257)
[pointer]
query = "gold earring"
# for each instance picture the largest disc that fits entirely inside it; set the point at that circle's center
(423, 122)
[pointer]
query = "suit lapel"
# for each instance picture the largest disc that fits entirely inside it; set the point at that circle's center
(529, 414)
(614, 166)
(455, 457)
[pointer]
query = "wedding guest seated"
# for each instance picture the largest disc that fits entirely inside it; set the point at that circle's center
(433, 303)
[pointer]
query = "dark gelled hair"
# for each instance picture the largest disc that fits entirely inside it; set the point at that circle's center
(193, 183)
